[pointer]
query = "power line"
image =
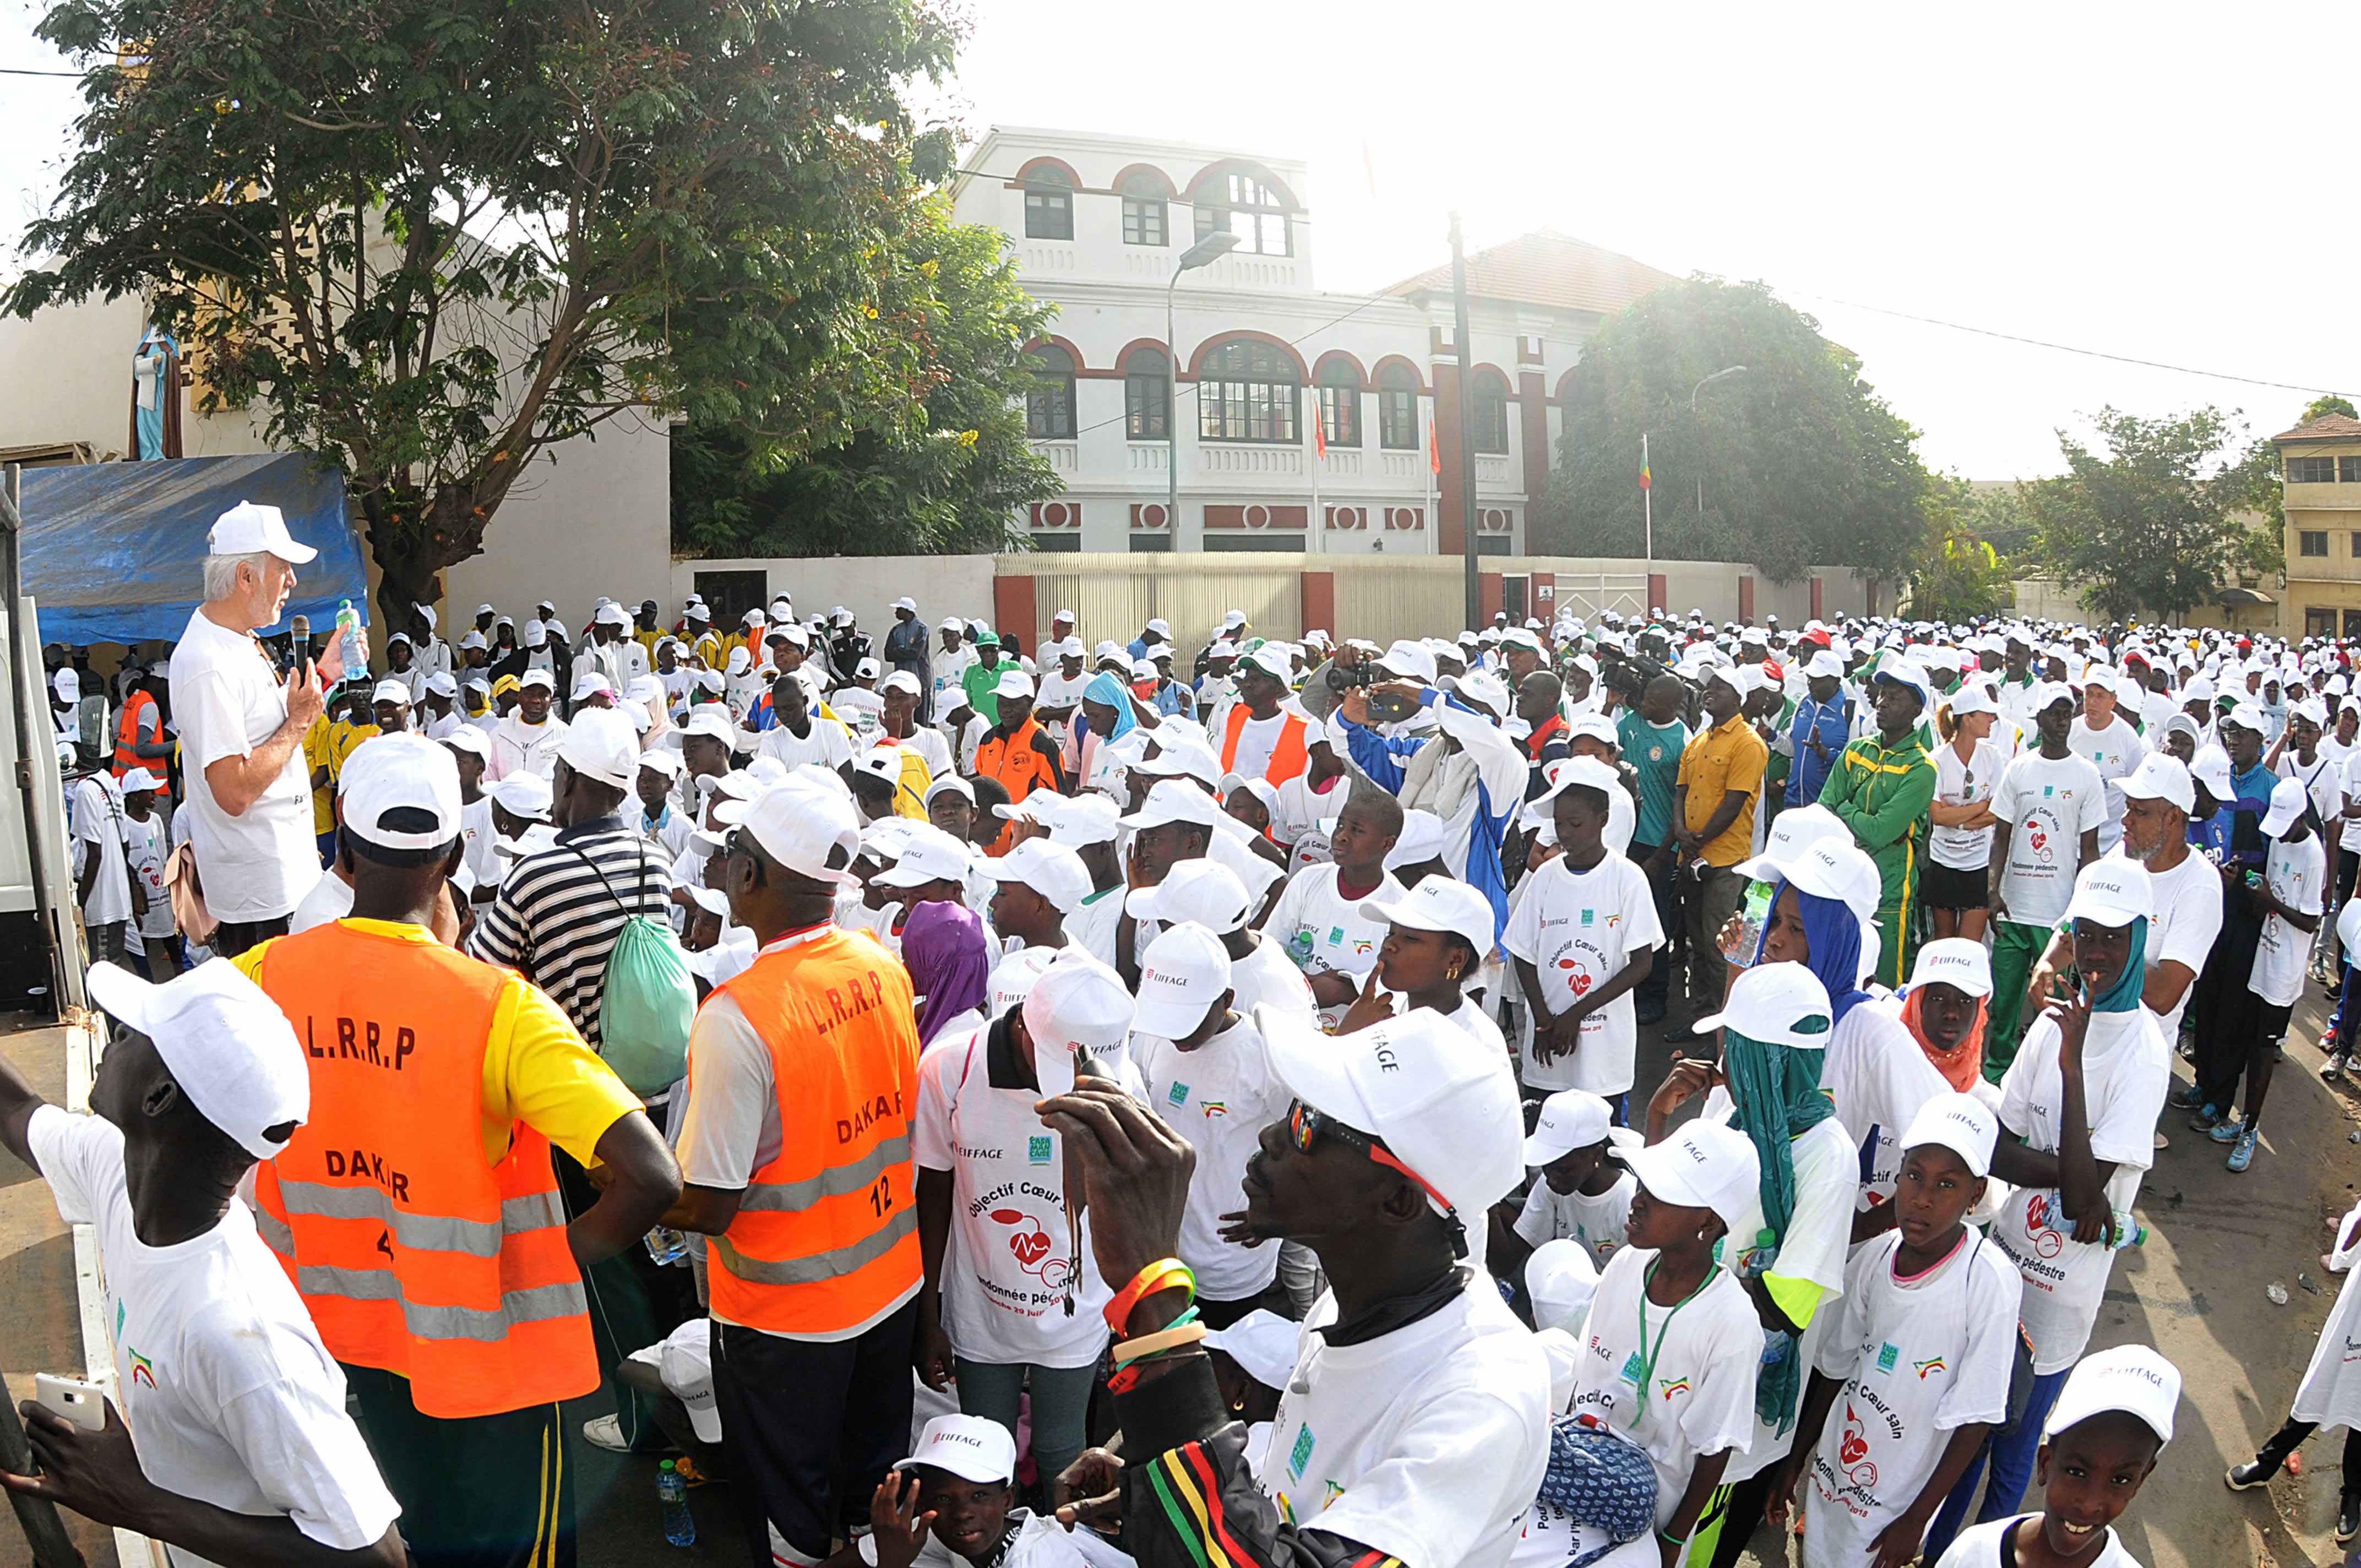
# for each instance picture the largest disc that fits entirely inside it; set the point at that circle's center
(2064, 348)
(22, 70)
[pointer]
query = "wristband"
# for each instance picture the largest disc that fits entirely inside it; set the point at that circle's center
(1162, 1340)
(1164, 1273)
(1671, 1539)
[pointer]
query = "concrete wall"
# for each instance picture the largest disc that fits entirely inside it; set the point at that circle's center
(866, 585)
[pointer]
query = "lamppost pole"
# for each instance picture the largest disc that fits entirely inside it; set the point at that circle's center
(1209, 248)
(1724, 374)
(1467, 512)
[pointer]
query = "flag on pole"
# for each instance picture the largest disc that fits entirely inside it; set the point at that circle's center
(1319, 431)
(1643, 465)
(1433, 450)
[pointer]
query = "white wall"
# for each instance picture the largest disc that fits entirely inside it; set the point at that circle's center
(866, 585)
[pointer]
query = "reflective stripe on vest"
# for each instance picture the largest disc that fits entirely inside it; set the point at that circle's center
(825, 1239)
(415, 1253)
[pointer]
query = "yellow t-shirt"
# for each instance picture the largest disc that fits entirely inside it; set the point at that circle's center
(316, 757)
(537, 1070)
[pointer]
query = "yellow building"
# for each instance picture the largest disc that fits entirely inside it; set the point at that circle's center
(2323, 494)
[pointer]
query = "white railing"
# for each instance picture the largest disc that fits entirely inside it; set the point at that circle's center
(1405, 465)
(1051, 259)
(1146, 458)
(1064, 455)
(1250, 459)
(1341, 465)
(1492, 469)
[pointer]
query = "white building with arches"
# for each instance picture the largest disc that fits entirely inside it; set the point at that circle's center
(1097, 225)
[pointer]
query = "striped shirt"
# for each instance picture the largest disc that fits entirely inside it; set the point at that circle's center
(559, 912)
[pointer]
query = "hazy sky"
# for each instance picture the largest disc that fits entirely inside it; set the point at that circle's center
(2169, 183)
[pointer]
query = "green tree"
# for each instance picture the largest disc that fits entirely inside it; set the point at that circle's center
(948, 481)
(1964, 574)
(432, 238)
(2326, 404)
(1794, 464)
(2147, 519)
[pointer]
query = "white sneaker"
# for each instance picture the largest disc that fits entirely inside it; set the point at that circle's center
(606, 1432)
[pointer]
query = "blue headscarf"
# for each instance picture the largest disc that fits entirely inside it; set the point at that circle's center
(1105, 688)
(2124, 994)
(1834, 932)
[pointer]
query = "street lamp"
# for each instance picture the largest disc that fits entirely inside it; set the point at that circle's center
(1211, 248)
(1724, 374)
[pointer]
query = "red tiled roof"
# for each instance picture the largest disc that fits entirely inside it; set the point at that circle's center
(2327, 427)
(1546, 268)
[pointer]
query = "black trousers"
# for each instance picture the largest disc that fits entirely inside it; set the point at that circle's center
(2288, 1438)
(2224, 1010)
(482, 1492)
(812, 1427)
(633, 1302)
(1658, 865)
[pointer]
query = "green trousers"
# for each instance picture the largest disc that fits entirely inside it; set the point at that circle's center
(482, 1492)
(2016, 949)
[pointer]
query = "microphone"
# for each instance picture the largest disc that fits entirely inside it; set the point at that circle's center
(299, 630)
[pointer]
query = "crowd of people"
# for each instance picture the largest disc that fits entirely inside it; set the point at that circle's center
(1170, 1101)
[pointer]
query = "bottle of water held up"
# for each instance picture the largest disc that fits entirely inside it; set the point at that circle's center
(349, 638)
(1752, 915)
(666, 1246)
(671, 1493)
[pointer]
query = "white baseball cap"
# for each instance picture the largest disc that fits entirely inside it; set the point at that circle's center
(807, 828)
(659, 759)
(1560, 1281)
(709, 721)
(1439, 903)
(1077, 1003)
(1823, 665)
(685, 1362)
(1180, 756)
(1419, 840)
(1061, 615)
(1701, 1165)
(1971, 699)
(442, 682)
(1261, 789)
(251, 527)
(1838, 869)
(1173, 800)
(1959, 962)
(1570, 1118)
(2113, 892)
(1412, 660)
(2247, 716)
(1264, 1345)
(225, 1041)
(590, 683)
(600, 744)
(1205, 892)
(1086, 819)
(2134, 1379)
(525, 795)
(1779, 1005)
(2163, 776)
(1053, 871)
(136, 779)
(390, 690)
(1443, 1103)
(2047, 695)
(1589, 772)
(950, 783)
(1012, 682)
(2103, 676)
(901, 681)
(1792, 832)
(1960, 1122)
(2288, 801)
(401, 772)
(2211, 767)
(1161, 626)
(974, 1448)
(932, 855)
(1183, 974)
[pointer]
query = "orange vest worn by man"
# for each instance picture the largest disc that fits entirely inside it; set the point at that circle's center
(141, 709)
(1289, 754)
(803, 1076)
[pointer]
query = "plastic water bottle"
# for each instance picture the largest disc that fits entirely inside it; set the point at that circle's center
(1753, 915)
(672, 1492)
(349, 636)
(666, 1246)
(2128, 1233)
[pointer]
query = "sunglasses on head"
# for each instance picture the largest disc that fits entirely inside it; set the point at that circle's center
(1306, 1126)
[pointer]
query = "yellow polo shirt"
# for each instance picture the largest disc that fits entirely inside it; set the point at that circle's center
(537, 1070)
(1727, 756)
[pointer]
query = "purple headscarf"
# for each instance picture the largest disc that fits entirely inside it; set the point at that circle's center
(944, 950)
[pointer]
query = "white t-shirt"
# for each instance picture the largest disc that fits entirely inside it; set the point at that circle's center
(2048, 806)
(1322, 931)
(1579, 929)
(928, 742)
(1092, 927)
(1009, 1266)
(226, 701)
(1476, 1020)
(98, 828)
(825, 743)
(146, 850)
(1426, 1444)
(2126, 1067)
(521, 748)
(2297, 874)
(1917, 1359)
(1302, 807)
(1691, 1394)
(229, 1392)
(1232, 845)
(2188, 901)
(1981, 1545)
(1958, 782)
(2116, 753)
(1257, 738)
(1877, 1075)
(1220, 1097)
(331, 898)
(2324, 780)
(477, 831)
(1265, 977)
(1550, 1216)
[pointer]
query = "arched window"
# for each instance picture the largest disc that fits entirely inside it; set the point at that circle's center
(1247, 208)
(1050, 405)
(1340, 403)
(1147, 393)
(1247, 391)
(1048, 205)
(1142, 209)
(1398, 408)
(1491, 432)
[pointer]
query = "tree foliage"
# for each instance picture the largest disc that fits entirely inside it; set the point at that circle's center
(432, 238)
(945, 482)
(2328, 403)
(1801, 463)
(2147, 518)
(1965, 574)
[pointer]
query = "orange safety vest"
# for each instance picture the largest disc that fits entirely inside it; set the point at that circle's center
(127, 741)
(825, 1236)
(1015, 761)
(1287, 758)
(414, 1255)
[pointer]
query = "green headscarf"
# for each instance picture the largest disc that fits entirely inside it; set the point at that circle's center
(1777, 1095)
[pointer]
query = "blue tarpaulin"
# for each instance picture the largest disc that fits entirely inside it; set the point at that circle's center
(115, 551)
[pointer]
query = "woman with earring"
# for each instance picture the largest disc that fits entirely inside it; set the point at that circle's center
(1437, 936)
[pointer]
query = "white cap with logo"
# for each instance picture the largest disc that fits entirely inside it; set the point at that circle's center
(1957, 961)
(1702, 1164)
(930, 855)
(1205, 892)
(1078, 1003)
(807, 828)
(1570, 1118)
(1960, 1122)
(1439, 903)
(2134, 1379)
(225, 1041)
(1183, 974)
(2162, 776)
(973, 1448)
(2288, 801)
(1173, 800)
(601, 744)
(2113, 892)
(1051, 870)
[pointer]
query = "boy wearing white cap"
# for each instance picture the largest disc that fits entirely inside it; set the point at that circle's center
(526, 741)
(146, 844)
(2290, 893)
(2098, 1446)
(1582, 1193)
(1916, 1371)
(2051, 805)
(102, 876)
(2105, 740)
(246, 1454)
(1415, 1425)
(1318, 921)
(951, 1503)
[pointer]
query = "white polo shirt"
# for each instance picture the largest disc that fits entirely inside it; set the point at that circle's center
(227, 699)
